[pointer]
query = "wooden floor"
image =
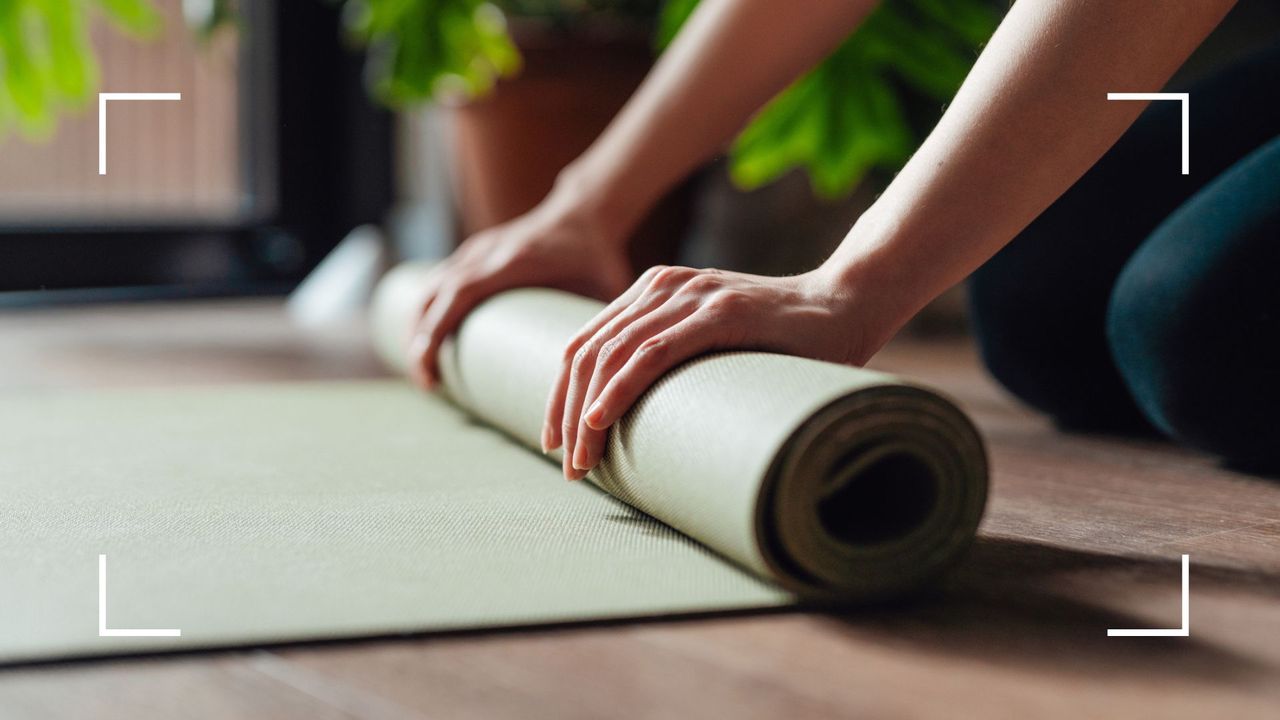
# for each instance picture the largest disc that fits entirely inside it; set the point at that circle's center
(1082, 534)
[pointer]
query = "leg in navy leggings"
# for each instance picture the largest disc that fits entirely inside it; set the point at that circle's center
(1043, 307)
(1194, 319)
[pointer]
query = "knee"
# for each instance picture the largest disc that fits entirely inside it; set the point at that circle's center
(1157, 359)
(1188, 364)
(1194, 319)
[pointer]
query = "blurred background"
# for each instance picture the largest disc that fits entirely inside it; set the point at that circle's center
(423, 121)
(177, 162)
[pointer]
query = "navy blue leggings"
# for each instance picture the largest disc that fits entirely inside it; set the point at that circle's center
(1145, 300)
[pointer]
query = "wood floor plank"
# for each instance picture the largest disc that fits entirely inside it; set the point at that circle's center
(587, 673)
(198, 688)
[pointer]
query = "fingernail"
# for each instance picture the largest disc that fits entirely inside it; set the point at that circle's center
(595, 414)
(580, 459)
(418, 345)
(546, 440)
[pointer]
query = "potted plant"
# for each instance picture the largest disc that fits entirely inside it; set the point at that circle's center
(838, 122)
(530, 84)
(524, 87)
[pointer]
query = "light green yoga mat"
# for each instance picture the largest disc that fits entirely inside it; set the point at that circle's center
(269, 513)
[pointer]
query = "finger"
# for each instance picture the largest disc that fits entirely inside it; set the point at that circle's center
(419, 340)
(614, 353)
(455, 299)
(570, 472)
(583, 360)
(652, 358)
(583, 366)
(417, 353)
(552, 433)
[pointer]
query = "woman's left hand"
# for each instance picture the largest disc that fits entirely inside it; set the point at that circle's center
(674, 313)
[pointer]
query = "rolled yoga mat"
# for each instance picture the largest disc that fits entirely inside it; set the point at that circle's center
(267, 513)
(833, 482)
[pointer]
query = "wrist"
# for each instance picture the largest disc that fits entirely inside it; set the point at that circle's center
(870, 285)
(592, 200)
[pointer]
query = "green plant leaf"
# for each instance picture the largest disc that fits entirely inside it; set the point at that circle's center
(46, 59)
(846, 117)
(424, 49)
(139, 17)
(75, 73)
(30, 96)
(672, 17)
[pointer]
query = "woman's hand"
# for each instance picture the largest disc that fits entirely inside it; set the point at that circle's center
(557, 245)
(674, 313)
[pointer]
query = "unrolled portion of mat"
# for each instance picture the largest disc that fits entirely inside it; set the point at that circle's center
(834, 482)
(310, 511)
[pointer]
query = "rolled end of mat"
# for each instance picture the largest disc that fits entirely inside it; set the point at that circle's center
(394, 312)
(835, 482)
(874, 495)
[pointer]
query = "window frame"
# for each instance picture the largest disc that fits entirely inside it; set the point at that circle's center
(316, 159)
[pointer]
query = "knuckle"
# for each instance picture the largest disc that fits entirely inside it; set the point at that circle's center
(704, 283)
(669, 276)
(653, 350)
(445, 268)
(520, 252)
(611, 352)
(570, 352)
(651, 273)
(582, 360)
(488, 240)
(728, 302)
(480, 239)
(510, 259)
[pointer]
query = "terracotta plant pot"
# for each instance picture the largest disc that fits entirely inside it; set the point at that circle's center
(509, 146)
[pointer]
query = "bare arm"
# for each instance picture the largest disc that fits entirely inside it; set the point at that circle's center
(1030, 119)
(729, 59)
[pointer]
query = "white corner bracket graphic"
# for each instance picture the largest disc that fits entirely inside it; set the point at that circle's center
(1185, 99)
(103, 99)
(1185, 630)
(103, 630)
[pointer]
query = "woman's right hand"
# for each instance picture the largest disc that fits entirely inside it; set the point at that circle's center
(558, 244)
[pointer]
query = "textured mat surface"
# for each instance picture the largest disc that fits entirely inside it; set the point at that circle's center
(256, 514)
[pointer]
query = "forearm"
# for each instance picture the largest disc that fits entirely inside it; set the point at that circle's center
(731, 57)
(1031, 118)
